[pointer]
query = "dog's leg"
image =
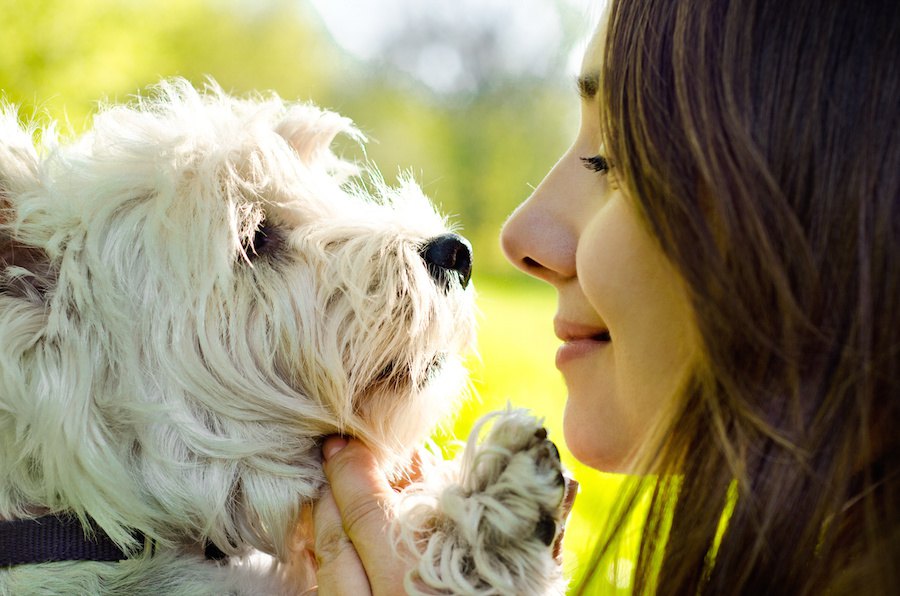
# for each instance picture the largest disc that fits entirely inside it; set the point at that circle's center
(494, 524)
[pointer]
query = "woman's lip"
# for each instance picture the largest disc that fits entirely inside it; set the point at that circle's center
(568, 331)
(578, 348)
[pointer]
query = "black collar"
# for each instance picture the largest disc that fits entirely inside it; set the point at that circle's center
(63, 538)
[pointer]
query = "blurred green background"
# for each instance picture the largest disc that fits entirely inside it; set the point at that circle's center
(476, 98)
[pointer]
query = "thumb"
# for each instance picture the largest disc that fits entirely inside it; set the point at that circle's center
(363, 497)
(360, 489)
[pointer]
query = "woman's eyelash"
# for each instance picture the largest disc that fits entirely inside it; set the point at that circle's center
(597, 163)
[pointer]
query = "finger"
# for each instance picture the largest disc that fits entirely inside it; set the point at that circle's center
(340, 570)
(363, 496)
(299, 569)
(422, 459)
(571, 488)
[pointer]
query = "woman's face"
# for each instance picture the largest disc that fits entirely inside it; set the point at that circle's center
(623, 316)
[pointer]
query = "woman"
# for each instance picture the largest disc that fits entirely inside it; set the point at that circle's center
(724, 238)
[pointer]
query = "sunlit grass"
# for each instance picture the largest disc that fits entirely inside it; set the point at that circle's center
(517, 348)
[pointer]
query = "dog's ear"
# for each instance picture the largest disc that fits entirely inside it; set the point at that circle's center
(311, 131)
(25, 270)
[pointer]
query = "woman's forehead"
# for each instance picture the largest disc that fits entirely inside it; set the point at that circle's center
(593, 54)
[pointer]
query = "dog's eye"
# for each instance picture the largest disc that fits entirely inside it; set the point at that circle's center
(263, 242)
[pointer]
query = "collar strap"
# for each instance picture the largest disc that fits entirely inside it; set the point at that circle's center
(50, 538)
(54, 538)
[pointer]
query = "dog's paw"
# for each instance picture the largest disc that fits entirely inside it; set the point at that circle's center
(516, 474)
(495, 523)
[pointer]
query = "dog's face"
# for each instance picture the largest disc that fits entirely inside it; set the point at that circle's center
(195, 293)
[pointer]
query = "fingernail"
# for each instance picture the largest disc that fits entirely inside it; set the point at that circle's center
(332, 445)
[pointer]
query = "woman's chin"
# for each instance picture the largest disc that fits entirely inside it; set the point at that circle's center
(598, 445)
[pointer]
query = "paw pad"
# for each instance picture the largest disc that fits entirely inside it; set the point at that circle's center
(546, 530)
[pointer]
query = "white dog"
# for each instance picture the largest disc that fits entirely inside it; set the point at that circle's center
(193, 295)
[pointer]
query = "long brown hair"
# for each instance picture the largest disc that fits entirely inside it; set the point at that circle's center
(761, 141)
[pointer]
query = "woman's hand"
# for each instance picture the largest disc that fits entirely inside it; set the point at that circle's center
(352, 539)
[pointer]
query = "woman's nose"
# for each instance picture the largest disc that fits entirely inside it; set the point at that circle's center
(539, 237)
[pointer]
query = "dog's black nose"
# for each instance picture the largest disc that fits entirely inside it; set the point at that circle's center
(446, 254)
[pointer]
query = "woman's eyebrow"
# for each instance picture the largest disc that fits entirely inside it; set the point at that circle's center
(588, 85)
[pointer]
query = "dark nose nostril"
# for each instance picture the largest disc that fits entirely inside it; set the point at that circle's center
(446, 253)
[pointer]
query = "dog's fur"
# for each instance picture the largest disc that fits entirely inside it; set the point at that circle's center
(195, 293)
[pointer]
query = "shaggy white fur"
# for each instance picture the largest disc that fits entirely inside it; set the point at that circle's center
(192, 295)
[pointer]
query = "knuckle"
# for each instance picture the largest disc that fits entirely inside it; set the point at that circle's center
(363, 514)
(331, 544)
(337, 466)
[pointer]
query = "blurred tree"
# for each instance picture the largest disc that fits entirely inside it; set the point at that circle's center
(62, 56)
(460, 47)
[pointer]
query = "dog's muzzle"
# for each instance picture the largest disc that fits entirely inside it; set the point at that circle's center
(448, 256)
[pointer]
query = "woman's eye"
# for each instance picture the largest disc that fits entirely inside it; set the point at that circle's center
(597, 163)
